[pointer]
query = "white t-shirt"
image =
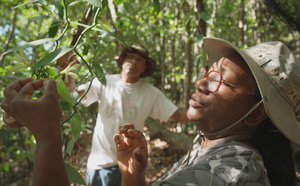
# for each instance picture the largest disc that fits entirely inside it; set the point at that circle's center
(120, 103)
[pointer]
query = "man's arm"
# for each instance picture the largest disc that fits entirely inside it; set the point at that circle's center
(180, 116)
(42, 117)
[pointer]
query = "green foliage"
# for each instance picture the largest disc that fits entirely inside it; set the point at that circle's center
(74, 176)
(169, 29)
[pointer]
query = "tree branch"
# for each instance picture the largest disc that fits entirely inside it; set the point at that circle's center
(10, 35)
(180, 142)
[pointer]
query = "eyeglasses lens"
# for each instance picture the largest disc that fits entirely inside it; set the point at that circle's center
(213, 81)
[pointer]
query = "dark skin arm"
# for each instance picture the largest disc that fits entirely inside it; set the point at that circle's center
(42, 117)
(132, 155)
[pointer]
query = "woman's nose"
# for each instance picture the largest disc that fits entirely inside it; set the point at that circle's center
(201, 86)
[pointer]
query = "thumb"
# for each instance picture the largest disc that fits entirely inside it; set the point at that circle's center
(50, 89)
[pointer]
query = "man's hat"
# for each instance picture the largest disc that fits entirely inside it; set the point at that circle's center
(142, 51)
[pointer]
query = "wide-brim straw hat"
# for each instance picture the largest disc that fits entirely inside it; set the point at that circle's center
(143, 52)
(277, 74)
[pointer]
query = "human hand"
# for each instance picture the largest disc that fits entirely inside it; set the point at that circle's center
(131, 151)
(41, 116)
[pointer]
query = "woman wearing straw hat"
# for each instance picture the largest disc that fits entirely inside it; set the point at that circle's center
(244, 107)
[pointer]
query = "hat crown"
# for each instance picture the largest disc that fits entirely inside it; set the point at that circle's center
(281, 66)
(140, 48)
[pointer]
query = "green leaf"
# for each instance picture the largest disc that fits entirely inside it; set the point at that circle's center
(200, 40)
(43, 2)
(156, 6)
(118, 2)
(207, 18)
(30, 44)
(52, 73)
(37, 18)
(65, 105)
(98, 71)
(85, 49)
(70, 146)
(196, 60)
(73, 175)
(64, 92)
(22, 54)
(110, 33)
(54, 28)
(104, 3)
(4, 167)
(19, 67)
(106, 24)
(96, 3)
(52, 56)
(102, 80)
(59, 9)
(76, 126)
(36, 1)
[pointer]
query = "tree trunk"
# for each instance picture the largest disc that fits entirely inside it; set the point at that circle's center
(242, 22)
(188, 61)
(180, 142)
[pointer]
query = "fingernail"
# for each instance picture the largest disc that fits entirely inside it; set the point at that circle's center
(117, 139)
(44, 82)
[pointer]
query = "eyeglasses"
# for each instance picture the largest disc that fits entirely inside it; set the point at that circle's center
(214, 79)
(132, 56)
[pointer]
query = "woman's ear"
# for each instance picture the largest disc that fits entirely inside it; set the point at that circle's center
(257, 116)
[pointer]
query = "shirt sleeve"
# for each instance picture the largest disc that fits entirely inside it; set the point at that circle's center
(163, 108)
(94, 93)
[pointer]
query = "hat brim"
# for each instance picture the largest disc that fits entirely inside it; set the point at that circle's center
(276, 105)
(150, 62)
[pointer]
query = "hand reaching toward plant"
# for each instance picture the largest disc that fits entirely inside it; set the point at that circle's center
(42, 117)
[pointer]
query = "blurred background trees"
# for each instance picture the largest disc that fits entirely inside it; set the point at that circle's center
(34, 34)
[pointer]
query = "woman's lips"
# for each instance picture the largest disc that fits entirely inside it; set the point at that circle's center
(195, 101)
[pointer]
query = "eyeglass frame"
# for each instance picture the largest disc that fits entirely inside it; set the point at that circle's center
(206, 74)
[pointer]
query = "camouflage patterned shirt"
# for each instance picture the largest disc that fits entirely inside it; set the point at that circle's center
(232, 163)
